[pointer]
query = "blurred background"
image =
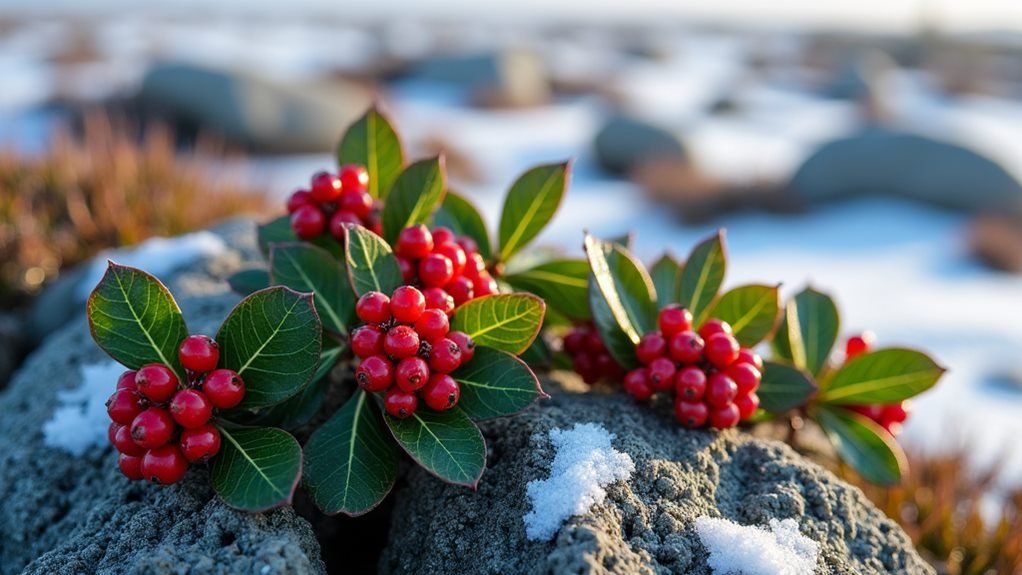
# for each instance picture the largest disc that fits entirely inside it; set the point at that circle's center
(872, 149)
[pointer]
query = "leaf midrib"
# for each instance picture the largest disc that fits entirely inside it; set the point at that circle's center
(252, 462)
(138, 320)
(552, 277)
(511, 244)
(874, 384)
(744, 320)
(351, 448)
(324, 301)
(267, 341)
(441, 444)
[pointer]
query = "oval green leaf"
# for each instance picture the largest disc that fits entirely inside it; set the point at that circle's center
(272, 339)
(496, 383)
(445, 443)
(278, 231)
(618, 343)
(864, 445)
(882, 376)
(257, 468)
(808, 331)
(509, 322)
(372, 265)
(135, 320)
(784, 387)
(563, 285)
(350, 462)
(751, 310)
(530, 205)
(666, 277)
(413, 198)
(702, 276)
(463, 218)
(625, 287)
(306, 268)
(247, 282)
(372, 142)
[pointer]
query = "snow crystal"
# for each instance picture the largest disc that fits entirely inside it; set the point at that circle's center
(584, 464)
(157, 256)
(81, 421)
(752, 550)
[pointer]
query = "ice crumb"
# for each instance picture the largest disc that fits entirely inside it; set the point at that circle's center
(157, 256)
(583, 465)
(81, 421)
(751, 550)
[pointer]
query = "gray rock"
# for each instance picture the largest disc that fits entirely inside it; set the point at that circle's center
(512, 77)
(65, 514)
(890, 163)
(12, 343)
(622, 143)
(646, 525)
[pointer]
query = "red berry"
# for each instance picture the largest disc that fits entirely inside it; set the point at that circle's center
(637, 384)
(191, 408)
(475, 264)
(374, 373)
(575, 342)
(111, 432)
(606, 366)
(200, 444)
(674, 319)
(407, 269)
(442, 234)
(357, 202)
(367, 340)
(691, 414)
(746, 355)
(373, 307)
(453, 252)
(874, 412)
(858, 344)
(414, 242)
(445, 357)
(401, 341)
(411, 373)
(721, 349)
(199, 353)
(353, 177)
(485, 285)
(897, 412)
(432, 325)
(584, 365)
(127, 380)
(661, 373)
(131, 466)
(713, 326)
(400, 404)
(652, 346)
(308, 222)
(686, 347)
(437, 298)
(156, 381)
(594, 343)
(325, 187)
(224, 388)
(125, 444)
(152, 428)
(435, 270)
(441, 393)
(407, 304)
(461, 289)
(468, 347)
(724, 417)
(720, 390)
(468, 244)
(690, 383)
(164, 465)
(123, 406)
(746, 376)
(297, 200)
(747, 405)
(339, 221)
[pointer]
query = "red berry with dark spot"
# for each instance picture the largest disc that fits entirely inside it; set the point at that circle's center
(156, 381)
(435, 270)
(686, 347)
(747, 405)
(407, 267)
(297, 200)
(453, 252)
(720, 390)
(746, 355)
(353, 177)
(400, 404)
(125, 444)
(199, 353)
(652, 346)
(725, 417)
(308, 222)
(131, 466)
(400, 342)
(414, 242)
(164, 465)
(858, 344)
(191, 408)
(674, 319)
(373, 307)
(461, 289)
(584, 365)
(407, 304)
(746, 376)
(432, 325)
(721, 349)
(339, 221)
(484, 285)
(127, 380)
(200, 444)
(357, 202)
(411, 373)
(325, 187)
(441, 393)
(437, 298)
(468, 347)
(475, 265)
(123, 406)
(637, 384)
(367, 340)
(152, 428)
(690, 383)
(713, 326)
(374, 373)
(442, 234)
(445, 357)
(691, 414)
(661, 374)
(224, 388)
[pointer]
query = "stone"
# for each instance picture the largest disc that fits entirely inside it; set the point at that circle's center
(645, 525)
(505, 78)
(624, 143)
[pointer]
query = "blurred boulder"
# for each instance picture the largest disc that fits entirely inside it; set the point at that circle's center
(253, 111)
(891, 163)
(623, 143)
(997, 241)
(509, 78)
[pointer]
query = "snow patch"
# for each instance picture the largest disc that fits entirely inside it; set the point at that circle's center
(81, 421)
(752, 550)
(584, 464)
(157, 256)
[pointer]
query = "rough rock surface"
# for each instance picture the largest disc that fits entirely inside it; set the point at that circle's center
(645, 525)
(64, 514)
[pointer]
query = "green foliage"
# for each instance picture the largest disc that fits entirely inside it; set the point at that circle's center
(447, 444)
(372, 142)
(371, 263)
(508, 322)
(864, 445)
(495, 384)
(247, 282)
(702, 276)
(666, 276)
(306, 268)
(463, 218)
(257, 468)
(563, 285)
(808, 332)
(416, 194)
(751, 310)
(883, 376)
(529, 206)
(784, 387)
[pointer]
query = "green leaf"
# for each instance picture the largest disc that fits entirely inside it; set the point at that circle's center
(751, 310)
(308, 269)
(504, 321)
(246, 282)
(496, 383)
(135, 320)
(808, 331)
(278, 231)
(561, 283)
(882, 376)
(445, 443)
(618, 343)
(350, 462)
(784, 387)
(272, 339)
(538, 354)
(373, 143)
(257, 468)
(463, 218)
(864, 445)
(702, 276)
(666, 276)
(371, 263)
(415, 195)
(530, 205)
(625, 286)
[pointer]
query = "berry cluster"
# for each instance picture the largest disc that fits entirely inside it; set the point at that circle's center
(331, 201)
(160, 426)
(890, 416)
(589, 356)
(713, 379)
(448, 268)
(407, 351)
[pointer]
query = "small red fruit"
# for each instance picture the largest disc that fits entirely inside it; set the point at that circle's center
(437, 298)
(468, 244)
(407, 304)
(297, 200)
(152, 428)
(373, 307)
(606, 366)
(111, 432)
(127, 380)
(374, 373)
(575, 342)
(691, 414)
(475, 265)
(125, 444)
(468, 347)
(411, 373)
(445, 357)
(661, 374)
(131, 466)
(325, 187)
(407, 269)
(859, 344)
(367, 340)
(191, 408)
(435, 270)
(356, 202)
(432, 325)
(713, 326)
(224, 388)
(200, 444)
(686, 347)
(164, 465)
(441, 393)
(353, 177)
(674, 319)
(453, 252)
(690, 383)
(721, 349)
(720, 390)
(651, 346)
(637, 384)
(308, 222)
(584, 365)
(442, 235)
(414, 242)
(339, 221)
(725, 417)
(747, 405)
(199, 353)
(401, 341)
(156, 381)
(485, 285)
(400, 404)
(746, 355)
(461, 289)
(594, 343)
(123, 406)
(746, 376)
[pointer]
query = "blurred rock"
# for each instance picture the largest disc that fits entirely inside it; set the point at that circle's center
(253, 111)
(509, 78)
(891, 163)
(623, 143)
(12, 343)
(997, 241)
(56, 305)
